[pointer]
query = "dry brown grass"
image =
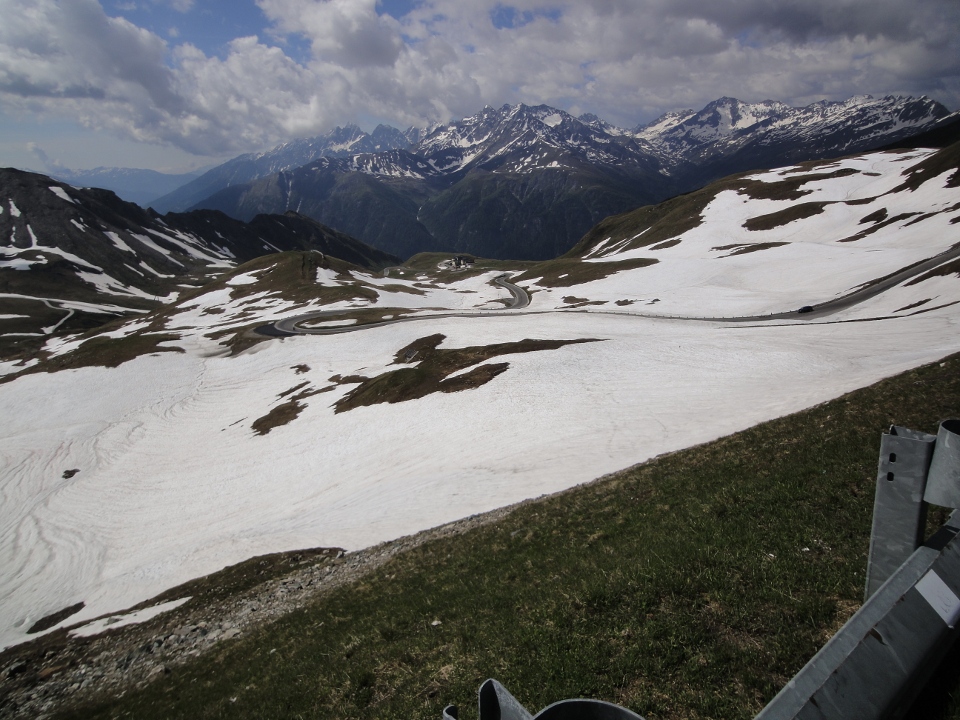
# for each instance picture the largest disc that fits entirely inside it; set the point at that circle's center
(799, 211)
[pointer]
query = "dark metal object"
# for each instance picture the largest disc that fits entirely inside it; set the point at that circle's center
(899, 512)
(496, 703)
(943, 480)
(877, 663)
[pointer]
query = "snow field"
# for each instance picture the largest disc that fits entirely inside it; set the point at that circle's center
(693, 279)
(116, 621)
(173, 484)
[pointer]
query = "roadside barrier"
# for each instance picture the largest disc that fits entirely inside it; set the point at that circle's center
(878, 662)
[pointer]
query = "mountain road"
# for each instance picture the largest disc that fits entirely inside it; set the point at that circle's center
(520, 300)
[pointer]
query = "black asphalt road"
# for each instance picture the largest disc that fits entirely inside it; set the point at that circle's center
(292, 325)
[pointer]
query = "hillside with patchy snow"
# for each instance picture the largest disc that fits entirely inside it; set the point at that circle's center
(74, 258)
(185, 440)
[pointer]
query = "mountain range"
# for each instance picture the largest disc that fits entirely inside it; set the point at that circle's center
(525, 182)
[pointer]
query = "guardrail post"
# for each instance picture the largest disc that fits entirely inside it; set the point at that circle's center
(878, 662)
(899, 510)
(943, 480)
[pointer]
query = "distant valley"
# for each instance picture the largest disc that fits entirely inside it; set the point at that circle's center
(131, 184)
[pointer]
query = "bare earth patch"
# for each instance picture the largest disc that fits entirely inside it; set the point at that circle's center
(45, 623)
(800, 211)
(564, 272)
(879, 224)
(911, 306)
(945, 270)
(745, 248)
(288, 411)
(434, 366)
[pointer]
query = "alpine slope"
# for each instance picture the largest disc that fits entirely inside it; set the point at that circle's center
(181, 441)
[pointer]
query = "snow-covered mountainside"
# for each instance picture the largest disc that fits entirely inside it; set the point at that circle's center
(526, 182)
(752, 244)
(73, 258)
(182, 441)
(519, 139)
(730, 136)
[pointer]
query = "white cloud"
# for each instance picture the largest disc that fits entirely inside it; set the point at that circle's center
(625, 60)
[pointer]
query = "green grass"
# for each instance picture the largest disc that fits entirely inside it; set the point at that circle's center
(692, 586)
(567, 272)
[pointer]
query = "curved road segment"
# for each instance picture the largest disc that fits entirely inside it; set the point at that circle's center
(292, 325)
(520, 299)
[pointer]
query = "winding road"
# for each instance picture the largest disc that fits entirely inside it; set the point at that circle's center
(520, 299)
(293, 325)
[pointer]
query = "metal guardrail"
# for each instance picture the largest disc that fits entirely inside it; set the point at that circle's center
(878, 662)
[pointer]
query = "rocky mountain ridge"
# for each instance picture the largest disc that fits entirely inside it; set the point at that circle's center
(526, 182)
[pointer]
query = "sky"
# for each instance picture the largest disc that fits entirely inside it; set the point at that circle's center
(177, 85)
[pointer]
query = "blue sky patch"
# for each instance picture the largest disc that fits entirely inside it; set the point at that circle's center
(506, 16)
(395, 8)
(209, 25)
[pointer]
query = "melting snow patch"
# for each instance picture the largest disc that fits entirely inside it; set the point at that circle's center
(158, 274)
(116, 239)
(153, 246)
(245, 279)
(326, 276)
(21, 263)
(115, 621)
(106, 284)
(333, 323)
(7, 367)
(127, 329)
(14, 210)
(61, 193)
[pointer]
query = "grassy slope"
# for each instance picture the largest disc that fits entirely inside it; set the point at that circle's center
(691, 586)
